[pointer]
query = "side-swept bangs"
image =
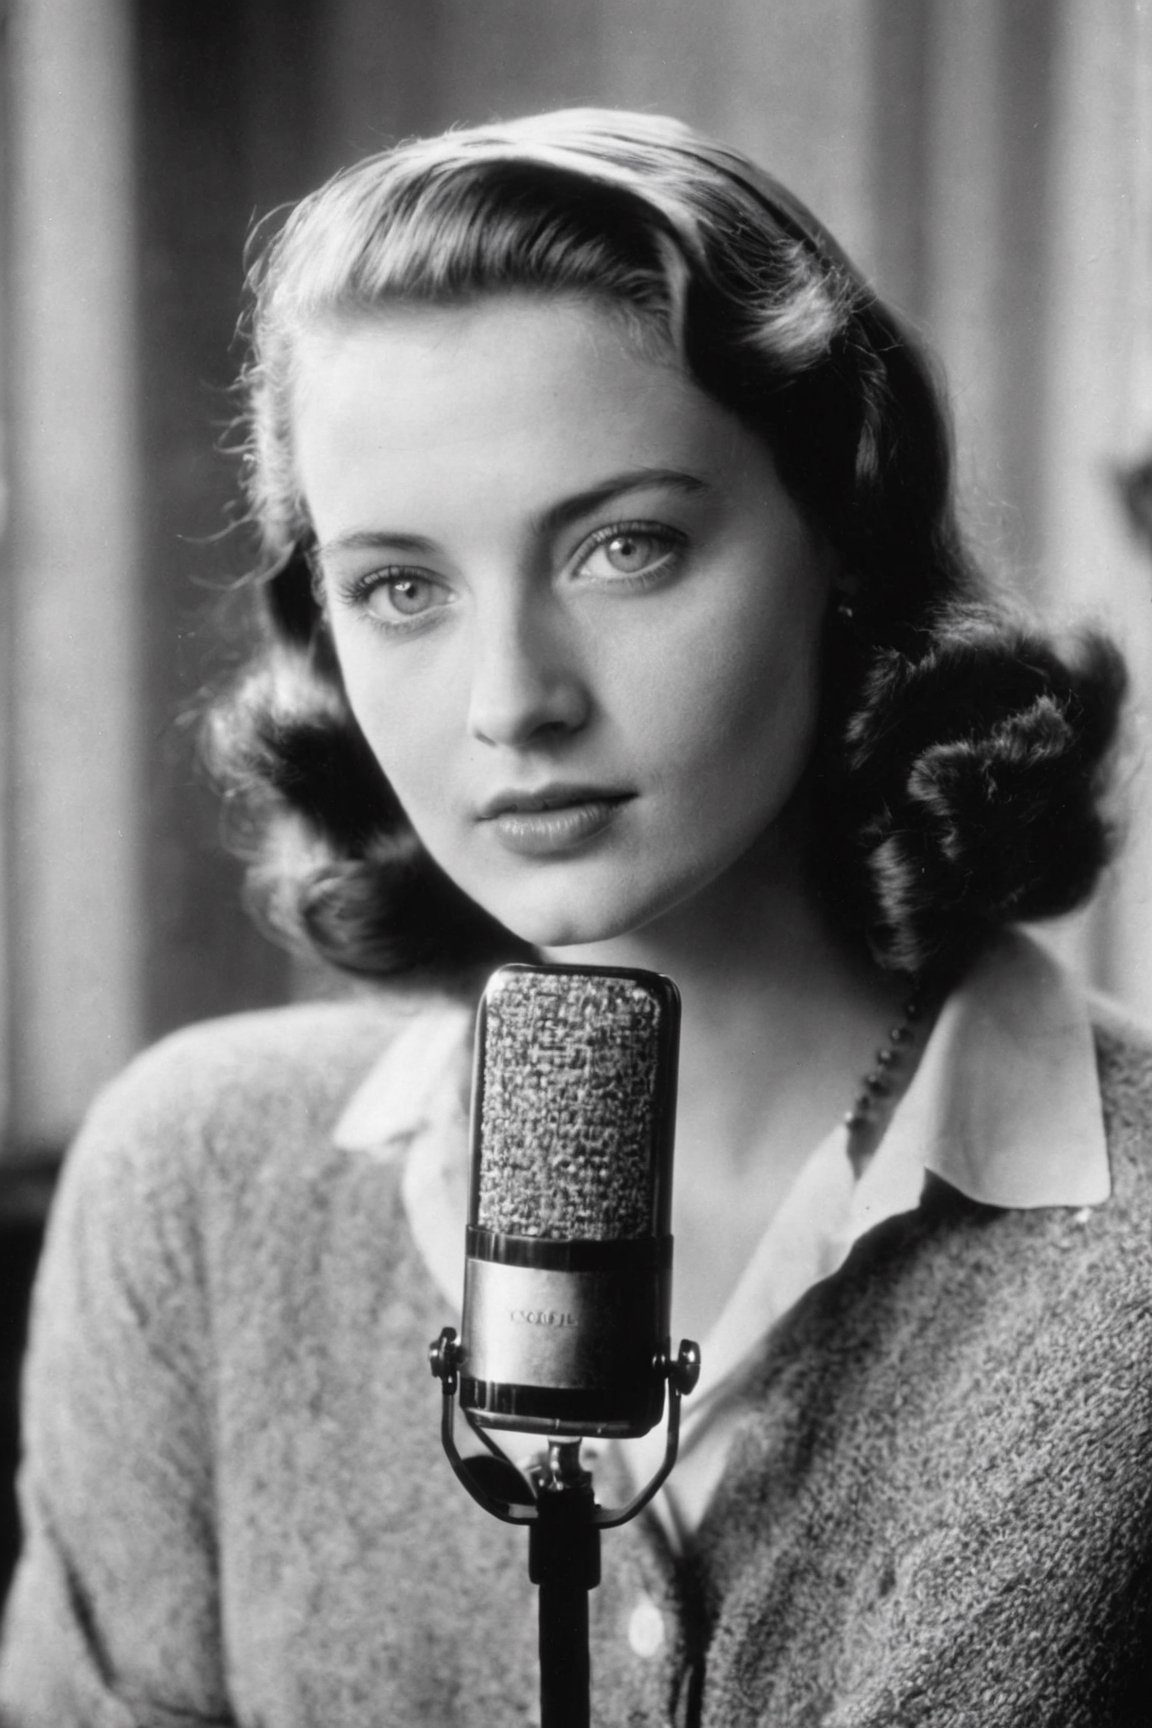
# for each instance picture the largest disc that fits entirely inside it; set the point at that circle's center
(725, 270)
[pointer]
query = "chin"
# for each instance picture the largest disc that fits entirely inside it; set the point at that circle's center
(559, 931)
(567, 924)
(559, 922)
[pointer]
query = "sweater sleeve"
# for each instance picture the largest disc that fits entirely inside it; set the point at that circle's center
(113, 1619)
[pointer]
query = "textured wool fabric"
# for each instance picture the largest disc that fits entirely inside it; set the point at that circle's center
(937, 1508)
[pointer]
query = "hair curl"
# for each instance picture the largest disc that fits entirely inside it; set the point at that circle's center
(959, 767)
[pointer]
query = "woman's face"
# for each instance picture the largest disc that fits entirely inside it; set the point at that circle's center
(577, 615)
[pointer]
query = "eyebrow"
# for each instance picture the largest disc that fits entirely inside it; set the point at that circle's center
(551, 521)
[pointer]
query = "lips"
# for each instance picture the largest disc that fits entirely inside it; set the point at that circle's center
(553, 797)
(552, 821)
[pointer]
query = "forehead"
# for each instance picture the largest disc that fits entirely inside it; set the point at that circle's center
(537, 391)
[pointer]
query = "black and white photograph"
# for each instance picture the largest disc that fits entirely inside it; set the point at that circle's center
(575, 863)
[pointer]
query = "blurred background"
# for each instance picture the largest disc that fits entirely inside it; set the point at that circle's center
(989, 162)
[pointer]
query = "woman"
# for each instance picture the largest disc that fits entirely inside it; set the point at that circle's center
(616, 611)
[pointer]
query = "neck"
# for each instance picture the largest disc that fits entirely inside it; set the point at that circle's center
(780, 1017)
(780, 1020)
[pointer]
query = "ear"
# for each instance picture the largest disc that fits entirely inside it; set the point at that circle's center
(846, 590)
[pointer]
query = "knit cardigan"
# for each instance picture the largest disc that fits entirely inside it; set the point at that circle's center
(937, 1508)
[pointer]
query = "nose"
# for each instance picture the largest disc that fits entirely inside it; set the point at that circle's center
(527, 682)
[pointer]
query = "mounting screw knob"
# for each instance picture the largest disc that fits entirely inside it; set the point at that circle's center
(685, 1371)
(444, 1356)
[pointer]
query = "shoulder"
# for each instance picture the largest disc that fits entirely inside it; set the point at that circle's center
(1124, 1062)
(301, 1060)
(219, 1106)
(1123, 1044)
(241, 1059)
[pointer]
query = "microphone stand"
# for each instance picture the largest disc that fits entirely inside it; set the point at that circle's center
(555, 1499)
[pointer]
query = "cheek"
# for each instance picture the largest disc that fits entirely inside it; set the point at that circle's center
(410, 760)
(749, 701)
(401, 729)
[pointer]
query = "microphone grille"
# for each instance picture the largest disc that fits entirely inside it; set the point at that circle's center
(568, 1075)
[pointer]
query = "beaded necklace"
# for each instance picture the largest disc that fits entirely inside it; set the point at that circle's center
(890, 1073)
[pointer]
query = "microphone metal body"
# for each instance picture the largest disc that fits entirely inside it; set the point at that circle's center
(567, 1282)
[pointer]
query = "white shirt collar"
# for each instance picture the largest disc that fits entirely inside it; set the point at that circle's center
(1004, 1106)
(413, 1106)
(1005, 1103)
